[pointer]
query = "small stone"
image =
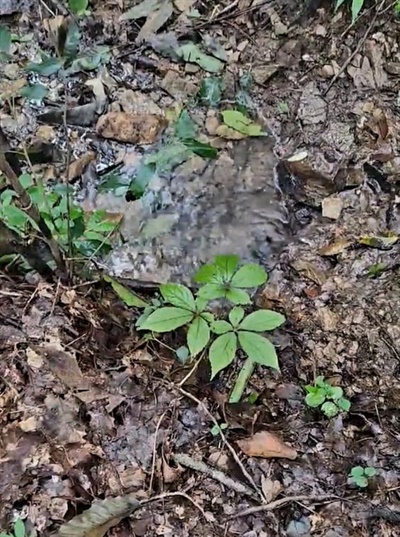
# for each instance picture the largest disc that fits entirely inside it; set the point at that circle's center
(320, 30)
(332, 207)
(131, 128)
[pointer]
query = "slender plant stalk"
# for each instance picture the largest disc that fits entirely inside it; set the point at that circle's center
(242, 380)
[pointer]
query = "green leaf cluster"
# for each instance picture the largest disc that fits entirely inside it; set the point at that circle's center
(221, 279)
(356, 6)
(329, 398)
(359, 475)
(67, 221)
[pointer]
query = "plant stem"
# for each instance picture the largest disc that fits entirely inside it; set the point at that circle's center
(242, 380)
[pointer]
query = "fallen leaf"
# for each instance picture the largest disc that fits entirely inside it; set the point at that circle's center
(266, 445)
(191, 53)
(170, 474)
(155, 20)
(100, 517)
(64, 365)
(270, 488)
(334, 248)
(29, 425)
(302, 155)
(142, 10)
(131, 128)
(238, 121)
(77, 167)
(229, 134)
(379, 242)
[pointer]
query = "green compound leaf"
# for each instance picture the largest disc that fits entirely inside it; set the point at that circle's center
(357, 471)
(178, 295)
(198, 336)
(237, 296)
(315, 399)
(221, 327)
(166, 319)
(262, 320)
(78, 7)
(206, 274)
(259, 349)
(37, 92)
(226, 266)
(48, 66)
(251, 275)
(330, 409)
(236, 315)
(222, 352)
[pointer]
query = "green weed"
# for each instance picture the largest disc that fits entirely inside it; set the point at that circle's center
(359, 476)
(329, 398)
(356, 6)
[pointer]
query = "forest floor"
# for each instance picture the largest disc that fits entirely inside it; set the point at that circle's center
(90, 411)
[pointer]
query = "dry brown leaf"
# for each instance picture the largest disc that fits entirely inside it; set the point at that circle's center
(77, 167)
(29, 425)
(229, 134)
(335, 248)
(64, 365)
(170, 474)
(266, 445)
(270, 488)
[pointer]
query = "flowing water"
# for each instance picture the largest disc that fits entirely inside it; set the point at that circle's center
(206, 207)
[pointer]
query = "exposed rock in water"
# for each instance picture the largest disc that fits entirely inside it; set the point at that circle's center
(230, 205)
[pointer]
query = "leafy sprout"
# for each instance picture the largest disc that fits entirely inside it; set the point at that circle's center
(359, 475)
(329, 398)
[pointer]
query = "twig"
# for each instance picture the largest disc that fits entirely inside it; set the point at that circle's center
(357, 49)
(171, 495)
(153, 466)
(275, 505)
(199, 466)
(223, 437)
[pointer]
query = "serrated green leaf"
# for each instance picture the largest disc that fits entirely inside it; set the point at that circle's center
(208, 317)
(222, 352)
(226, 266)
(356, 7)
(37, 92)
(211, 291)
(167, 319)
(125, 294)
(48, 66)
(178, 295)
(19, 528)
(200, 148)
(315, 399)
(198, 336)
(236, 315)
(221, 327)
(250, 275)
(237, 296)
(262, 320)
(5, 39)
(78, 7)
(239, 122)
(185, 126)
(259, 349)
(330, 409)
(206, 274)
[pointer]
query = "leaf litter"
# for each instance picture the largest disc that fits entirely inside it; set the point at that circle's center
(77, 395)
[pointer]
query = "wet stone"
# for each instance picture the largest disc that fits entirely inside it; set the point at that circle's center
(223, 206)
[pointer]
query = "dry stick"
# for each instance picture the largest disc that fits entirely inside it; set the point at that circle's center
(171, 495)
(228, 445)
(200, 466)
(153, 465)
(32, 211)
(357, 49)
(275, 505)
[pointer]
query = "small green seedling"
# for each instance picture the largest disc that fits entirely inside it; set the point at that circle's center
(359, 476)
(223, 279)
(17, 531)
(216, 430)
(329, 398)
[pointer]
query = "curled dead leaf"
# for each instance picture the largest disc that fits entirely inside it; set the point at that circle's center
(335, 248)
(266, 445)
